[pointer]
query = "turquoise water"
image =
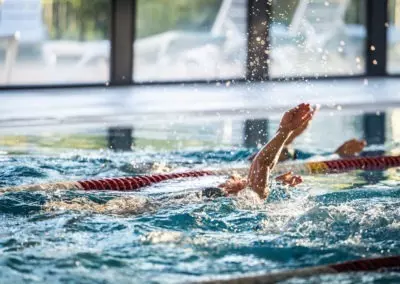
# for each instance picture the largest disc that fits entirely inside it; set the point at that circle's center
(160, 235)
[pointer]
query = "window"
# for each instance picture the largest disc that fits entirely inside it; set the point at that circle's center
(317, 38)
(394, 37)
(54, 41)
(190, 40)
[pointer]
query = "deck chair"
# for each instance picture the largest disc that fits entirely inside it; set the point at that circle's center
(174, 46)
(316, 21)
(10, 44)
(231, 22)
(314, 25)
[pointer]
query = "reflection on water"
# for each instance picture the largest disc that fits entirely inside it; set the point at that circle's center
(329, 129)
(374, 126)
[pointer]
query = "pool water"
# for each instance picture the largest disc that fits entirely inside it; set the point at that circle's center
(167, 233)
(157, 236)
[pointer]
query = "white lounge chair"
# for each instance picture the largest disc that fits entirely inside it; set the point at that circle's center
(166, 49)
(10, 44)
(314, 25)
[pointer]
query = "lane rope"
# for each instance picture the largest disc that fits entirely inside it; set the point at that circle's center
(137, 182)
(322, 167)
(383, 264)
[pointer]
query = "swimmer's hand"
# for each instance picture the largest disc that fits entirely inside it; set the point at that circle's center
(289, 179)
(351, 148)
(300, 130)
(296, 121)
(297, 117)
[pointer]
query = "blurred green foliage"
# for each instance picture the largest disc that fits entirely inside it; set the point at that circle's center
(90, 19)
(283, 11)
(157, 16)
(77, 19)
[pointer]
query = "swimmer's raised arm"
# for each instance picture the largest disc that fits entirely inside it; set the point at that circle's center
(287, 150)
(266, 159)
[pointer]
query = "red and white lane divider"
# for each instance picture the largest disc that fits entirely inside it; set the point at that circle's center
(138, 182)
(384, 264)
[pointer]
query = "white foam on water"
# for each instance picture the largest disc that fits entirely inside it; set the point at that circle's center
(157, 237)
(248, 199)
(282, 214)
(119, 206)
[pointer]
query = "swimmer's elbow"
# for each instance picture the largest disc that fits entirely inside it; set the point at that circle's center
(265, 193)
(258, 181)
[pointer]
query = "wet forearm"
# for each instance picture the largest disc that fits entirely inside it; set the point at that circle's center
(270, 153)
(265, 161)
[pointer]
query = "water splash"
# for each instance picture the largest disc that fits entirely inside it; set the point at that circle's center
(170, 233)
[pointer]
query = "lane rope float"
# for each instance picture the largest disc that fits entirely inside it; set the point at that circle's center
(384, 264)
(138, 182)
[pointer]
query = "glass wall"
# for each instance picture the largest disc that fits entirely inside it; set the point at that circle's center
(393, 65)
(54, 41)
(317, 38)
(190, 40)
(45, 42)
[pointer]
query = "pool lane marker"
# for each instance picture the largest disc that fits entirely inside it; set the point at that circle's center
(323, 167)
(135, 183)
(138, 182)
(383, 264)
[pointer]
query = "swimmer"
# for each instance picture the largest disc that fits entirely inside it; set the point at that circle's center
(265, 160)
(349, 148)
(257, 180)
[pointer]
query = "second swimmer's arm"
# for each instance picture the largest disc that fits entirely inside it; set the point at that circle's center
(265, 161)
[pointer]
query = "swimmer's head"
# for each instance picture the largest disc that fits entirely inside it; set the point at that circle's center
(234, 184)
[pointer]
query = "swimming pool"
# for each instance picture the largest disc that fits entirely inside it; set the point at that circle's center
(156, 235)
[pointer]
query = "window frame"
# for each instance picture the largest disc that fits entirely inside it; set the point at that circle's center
(123, 19)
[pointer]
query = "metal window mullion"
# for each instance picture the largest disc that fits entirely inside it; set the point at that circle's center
(258, 22)
(122, 35)
(376, 43)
